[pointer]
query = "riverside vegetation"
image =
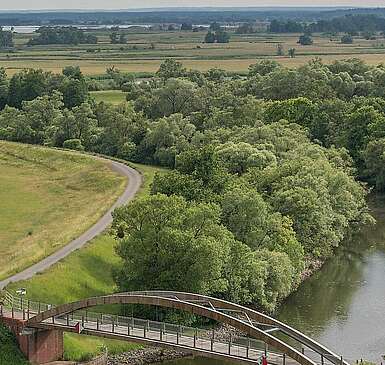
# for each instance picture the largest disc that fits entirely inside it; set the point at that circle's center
(264, 168)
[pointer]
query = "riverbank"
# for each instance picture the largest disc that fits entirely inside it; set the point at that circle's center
(147, 355)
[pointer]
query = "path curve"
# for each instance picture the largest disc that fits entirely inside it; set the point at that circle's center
(133, 185)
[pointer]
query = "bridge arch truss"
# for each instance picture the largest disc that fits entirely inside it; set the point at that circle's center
(254, 324)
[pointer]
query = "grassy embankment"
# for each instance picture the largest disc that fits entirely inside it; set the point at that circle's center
(47, 199)
(86, 272)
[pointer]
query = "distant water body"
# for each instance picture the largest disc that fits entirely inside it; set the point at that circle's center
(27, 29)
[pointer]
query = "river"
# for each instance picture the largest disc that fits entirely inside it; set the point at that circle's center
(342, 305)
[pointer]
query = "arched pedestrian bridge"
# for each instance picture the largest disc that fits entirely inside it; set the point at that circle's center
(256, 333)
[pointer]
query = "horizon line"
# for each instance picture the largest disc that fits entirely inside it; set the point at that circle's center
(181, 8)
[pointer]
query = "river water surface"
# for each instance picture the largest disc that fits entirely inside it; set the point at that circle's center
(343, 305)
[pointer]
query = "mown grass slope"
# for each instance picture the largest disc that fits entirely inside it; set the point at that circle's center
(85, 273)
(48, 198)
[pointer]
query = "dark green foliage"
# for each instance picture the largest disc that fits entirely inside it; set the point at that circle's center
(220, 36)
(73, 144)
(62, 35)
(215, 26)
(27, 85)
(10, 353)
(4, 84)
(305, 40)
(349, 23)
(347, 39)
(210, 37)
(186, 26)
(6, 39)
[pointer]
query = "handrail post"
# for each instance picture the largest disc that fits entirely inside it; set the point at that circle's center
(284, 359)
(212, 341)
(68, 319)
(265, 349)
(322, 359)
(247, 348)
(113, 326)
(97, 324)
(144, 331)
(230, 344)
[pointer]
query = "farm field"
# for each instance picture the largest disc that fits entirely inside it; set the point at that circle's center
(47, 199)
(145, 51)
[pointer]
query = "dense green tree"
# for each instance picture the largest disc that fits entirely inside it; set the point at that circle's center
(62, 35)
(6, 38)
(210, 37)
(170, 69)
(4, 85)
(27, 85)
(347, 39)
(305, 40)
(222, 36)
(166, 243)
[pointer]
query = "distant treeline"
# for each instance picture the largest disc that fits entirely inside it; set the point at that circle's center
(62, 35)
(347, 23)
(201, 16)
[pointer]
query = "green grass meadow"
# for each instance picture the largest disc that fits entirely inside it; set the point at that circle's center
(109, 96)
(48, 198)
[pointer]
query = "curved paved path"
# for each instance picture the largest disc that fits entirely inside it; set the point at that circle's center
(133, 185)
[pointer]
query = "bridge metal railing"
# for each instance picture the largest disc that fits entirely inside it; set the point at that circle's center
(237, 345)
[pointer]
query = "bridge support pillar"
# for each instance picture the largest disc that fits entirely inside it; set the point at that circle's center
(38, 346)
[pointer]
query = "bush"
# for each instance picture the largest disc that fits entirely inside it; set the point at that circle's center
(305, 40)
(73, 144)
(347, 39)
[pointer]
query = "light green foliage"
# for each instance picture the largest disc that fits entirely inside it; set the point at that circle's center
(170, 244)
(171, 69)
(254, 222)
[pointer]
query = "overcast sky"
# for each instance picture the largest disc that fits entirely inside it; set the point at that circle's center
(130, 4)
